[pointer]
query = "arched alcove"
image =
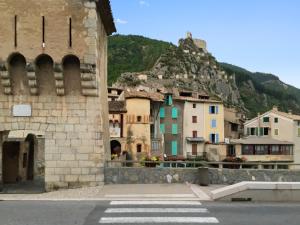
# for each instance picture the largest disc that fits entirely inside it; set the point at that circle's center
(17, 70)
(45, 75)
(72, 77)
(115, 147)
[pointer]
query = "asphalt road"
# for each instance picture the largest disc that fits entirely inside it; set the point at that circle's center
(103, 212)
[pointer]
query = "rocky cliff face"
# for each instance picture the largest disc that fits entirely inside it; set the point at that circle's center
(188, 67)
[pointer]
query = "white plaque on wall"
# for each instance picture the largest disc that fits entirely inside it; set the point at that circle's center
(21, 110)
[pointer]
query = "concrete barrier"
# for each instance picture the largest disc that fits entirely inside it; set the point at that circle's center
(259, 191)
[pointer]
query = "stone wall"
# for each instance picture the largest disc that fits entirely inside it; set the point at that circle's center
(150, 175)
(231, 176)
(181, 175)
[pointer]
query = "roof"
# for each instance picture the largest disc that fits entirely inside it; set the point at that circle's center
(106, 16)
(252, 140)
(157, 97)
(117, 107)
(275, 111)
(191, 99)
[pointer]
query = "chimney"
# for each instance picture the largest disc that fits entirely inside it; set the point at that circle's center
(275, 108)
(290, 112)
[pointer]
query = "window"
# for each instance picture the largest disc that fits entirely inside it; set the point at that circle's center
(70, 33)
(43, 31)
(247, 150)
(275, 150)
(252, 131)
(261, 150)
(139, 119)
(275, 120)
(266, 131)
(213, 123)
(214, 138)
(231, 150)
(266, 119)
(168, 100)
(194, 106)
(174, 148)
(138, 148)
(16, 30)
(298, 123)
(174, 113)
(234, 127)
(162, 128)
(162, 112)
(174, 129)
(213, 109)
(194, 119)
(194, 149)
(195, 134)
(276, 132)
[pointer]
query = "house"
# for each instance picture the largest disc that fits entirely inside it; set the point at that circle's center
(233, 123)
(53, 71)
(281, 126)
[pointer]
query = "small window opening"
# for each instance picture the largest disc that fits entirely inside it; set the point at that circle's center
(139, 148)
(70, 32)
(139, 119)
(16, 28)
(43, 32)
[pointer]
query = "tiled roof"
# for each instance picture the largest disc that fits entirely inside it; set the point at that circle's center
(117, 106)
(288, 115)
(252, 140)
(142, 94)
(191, 99)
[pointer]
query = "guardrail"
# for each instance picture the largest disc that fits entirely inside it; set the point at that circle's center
(195, 164)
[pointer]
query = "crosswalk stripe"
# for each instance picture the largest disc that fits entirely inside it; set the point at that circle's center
(131, 220)
(156, 210)
(155, 203)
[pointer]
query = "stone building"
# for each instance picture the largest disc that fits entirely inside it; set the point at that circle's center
(53, 94)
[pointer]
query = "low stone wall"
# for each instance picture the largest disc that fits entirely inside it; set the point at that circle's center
(145, 175)
(232, 176)
(123, 175)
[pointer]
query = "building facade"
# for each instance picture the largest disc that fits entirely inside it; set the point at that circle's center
(53, 68)
(280, 126)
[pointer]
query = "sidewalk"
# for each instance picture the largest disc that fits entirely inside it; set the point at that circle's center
(188, 192)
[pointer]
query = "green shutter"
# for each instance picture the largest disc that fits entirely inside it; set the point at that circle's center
(261, 131)
(174, 113)
(170, 100)
(174, 148)
(162, 112)
(174, 129)
(256, 131)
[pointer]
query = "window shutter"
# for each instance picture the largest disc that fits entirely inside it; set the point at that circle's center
(209, 110)
(217, 109)
(174, 129)
(261, 131)
(217, 138)
(174, 113)
(174, 148)
(256, 131)
(210, 138)
(248, 131)
(162, 128)
(162, 112)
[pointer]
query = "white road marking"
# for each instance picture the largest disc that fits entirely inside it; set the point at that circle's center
(151, 196)
(131, 220)
(156, 210)
(154, 203)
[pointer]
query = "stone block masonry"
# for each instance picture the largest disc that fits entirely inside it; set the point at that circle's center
(53, 93)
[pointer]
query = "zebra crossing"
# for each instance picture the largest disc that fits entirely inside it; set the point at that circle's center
(156, 212)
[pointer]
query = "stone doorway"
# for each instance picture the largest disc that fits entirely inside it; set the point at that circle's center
(23, 164)
(10, 162)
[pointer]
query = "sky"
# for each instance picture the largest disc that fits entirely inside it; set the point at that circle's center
(258, 35)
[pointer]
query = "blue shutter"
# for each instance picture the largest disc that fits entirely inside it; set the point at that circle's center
(174, 148)
(210, 138)
(174, 129)
(170, 100)
(217, 138)
(213, 123)
(162, 112)
(209, 109)
(174, 113)
(217, 109)
(162, 128)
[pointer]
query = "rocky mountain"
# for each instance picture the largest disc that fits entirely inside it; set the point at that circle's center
(135, 60)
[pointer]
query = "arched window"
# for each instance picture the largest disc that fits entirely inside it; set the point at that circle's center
(17, 70)
(72, 77)
(45, 75)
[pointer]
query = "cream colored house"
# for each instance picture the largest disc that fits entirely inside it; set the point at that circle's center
(276, 125)
(203, 123)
